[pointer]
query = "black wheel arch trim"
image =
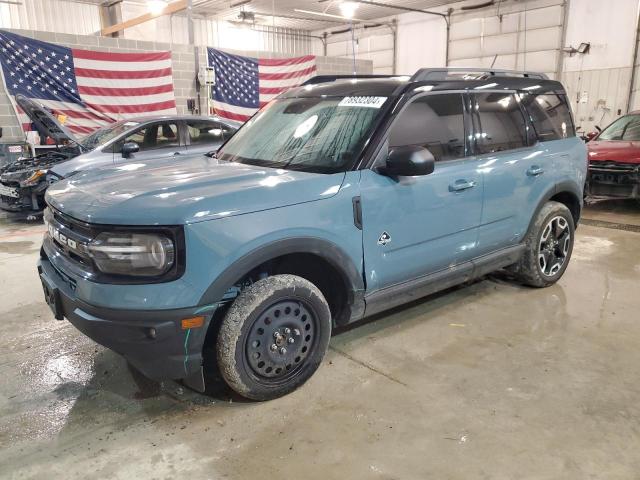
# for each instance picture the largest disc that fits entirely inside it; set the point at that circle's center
(561, 187)
(324, 249)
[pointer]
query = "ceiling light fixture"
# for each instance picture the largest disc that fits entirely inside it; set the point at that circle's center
(348, 9)
(311, 12)
(156, 7)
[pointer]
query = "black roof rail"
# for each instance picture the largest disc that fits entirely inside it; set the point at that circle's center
(332, 78)
(450, 73)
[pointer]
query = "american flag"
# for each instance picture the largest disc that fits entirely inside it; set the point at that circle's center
(90, 88)
(244, 84)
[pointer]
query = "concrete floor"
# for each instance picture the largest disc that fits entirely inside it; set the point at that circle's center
(492, 380)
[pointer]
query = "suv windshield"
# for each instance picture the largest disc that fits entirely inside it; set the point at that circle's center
(323, 135)
(104, 134)
(624, 128)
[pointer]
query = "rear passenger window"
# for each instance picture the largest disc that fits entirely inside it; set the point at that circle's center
(434, 122)
(207, 132)
(499, 123)
(550, 116)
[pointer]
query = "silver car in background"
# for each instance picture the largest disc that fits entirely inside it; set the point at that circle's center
(142, 139)
(23, 182)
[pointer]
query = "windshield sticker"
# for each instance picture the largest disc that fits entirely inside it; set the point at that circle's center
(371, 102)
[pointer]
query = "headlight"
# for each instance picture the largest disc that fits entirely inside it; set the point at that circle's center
(52, 178)
(137, 254)
(34, 179)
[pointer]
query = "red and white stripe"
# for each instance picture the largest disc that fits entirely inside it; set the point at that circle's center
(114, 86)
(80, 121)
(275, 75)
(124, 85)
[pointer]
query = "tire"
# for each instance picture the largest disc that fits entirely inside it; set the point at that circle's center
(274, 337)
(548, 250)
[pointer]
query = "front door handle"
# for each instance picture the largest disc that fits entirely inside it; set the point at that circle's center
(460, 185)
(535, 170)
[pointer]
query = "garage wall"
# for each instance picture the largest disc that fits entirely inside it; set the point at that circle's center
(215, 33)
(518, 35)
(421, 42)
(600, 81)
(51, 16)
(374, 44)
(521, 36)
(183, 63)
(419, 37)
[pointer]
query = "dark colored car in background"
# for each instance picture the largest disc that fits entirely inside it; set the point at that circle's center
(614, 159)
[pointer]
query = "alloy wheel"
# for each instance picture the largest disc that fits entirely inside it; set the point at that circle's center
(554, 246)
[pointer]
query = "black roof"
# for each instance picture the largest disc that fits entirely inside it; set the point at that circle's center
(395, 85)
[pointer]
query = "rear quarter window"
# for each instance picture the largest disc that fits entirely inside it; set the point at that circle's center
(499, 123)
(550, 116)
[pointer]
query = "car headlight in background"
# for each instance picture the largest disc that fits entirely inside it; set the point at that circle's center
(53, 178)
(137, 254)
(34, 178)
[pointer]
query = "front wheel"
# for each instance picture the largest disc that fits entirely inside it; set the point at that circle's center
(273, 337)
(549, 245)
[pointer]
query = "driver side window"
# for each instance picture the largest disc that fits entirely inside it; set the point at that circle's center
(151, 137)
(435, 122)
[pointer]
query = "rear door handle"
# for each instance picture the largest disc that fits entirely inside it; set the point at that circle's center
(535, 170)
(460, 185)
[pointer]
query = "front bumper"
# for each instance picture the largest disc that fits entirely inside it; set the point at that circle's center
(29, 200)
(151, 340)
(613, 180)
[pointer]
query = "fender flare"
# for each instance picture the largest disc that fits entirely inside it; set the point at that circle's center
(566, 186)
(313, 245)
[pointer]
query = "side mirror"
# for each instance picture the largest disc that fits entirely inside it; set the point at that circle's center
(409, 161)
(590, 136)
(129, 149)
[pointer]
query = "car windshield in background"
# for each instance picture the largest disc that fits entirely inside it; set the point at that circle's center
(105, 134)
(322, 135)
(624, 128)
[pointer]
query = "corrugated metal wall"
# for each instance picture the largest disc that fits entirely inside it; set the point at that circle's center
(51, 16)
(598, 96)
(375, 44)
(524, 36)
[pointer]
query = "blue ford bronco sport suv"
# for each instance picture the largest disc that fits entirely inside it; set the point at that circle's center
(342, 198)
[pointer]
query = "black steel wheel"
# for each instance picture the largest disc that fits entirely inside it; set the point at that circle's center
(273, 337)
(280, 339)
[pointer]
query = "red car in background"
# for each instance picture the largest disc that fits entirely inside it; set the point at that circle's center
(614, 159)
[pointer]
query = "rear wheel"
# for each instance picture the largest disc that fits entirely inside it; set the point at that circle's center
(273, 337)
(549, 245)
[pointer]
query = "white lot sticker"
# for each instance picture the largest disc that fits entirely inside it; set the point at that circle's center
(371, 102)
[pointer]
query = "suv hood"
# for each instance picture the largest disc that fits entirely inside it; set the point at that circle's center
(194, 190)
(44, 121)
(621, 151)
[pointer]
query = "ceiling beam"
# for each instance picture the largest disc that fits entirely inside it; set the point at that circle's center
(172, 7)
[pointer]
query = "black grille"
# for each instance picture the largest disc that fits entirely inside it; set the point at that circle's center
(613, 167)
(72, 231)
